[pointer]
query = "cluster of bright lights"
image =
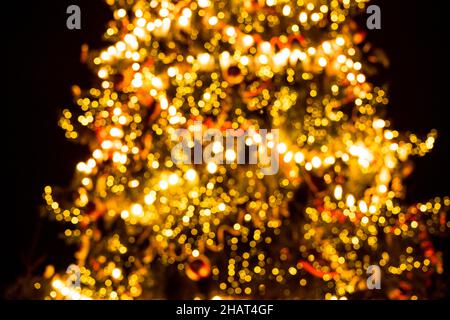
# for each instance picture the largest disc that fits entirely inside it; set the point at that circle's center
(258, 65)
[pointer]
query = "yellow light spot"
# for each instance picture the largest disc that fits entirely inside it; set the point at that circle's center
(323, 62)
(363, 206)
(191, 174)
(124, 214)
(212, 167)
(203, 3)
(388, 135)
(350, 200)
(316, 162)
(230, 155)
(361, 78)
(121, 13)
(303, 17)
(299, 157)
(116, 273)
(163, 184)
(137, 210)
(286, 10)
(173, 179)
(204, 58)
(379, 124)
(213, 21)
(230, 31)
(150, 198)
(338, 192)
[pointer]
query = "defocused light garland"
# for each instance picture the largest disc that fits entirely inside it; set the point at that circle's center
(251, 64)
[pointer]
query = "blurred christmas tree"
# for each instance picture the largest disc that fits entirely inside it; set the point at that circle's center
(150, 226)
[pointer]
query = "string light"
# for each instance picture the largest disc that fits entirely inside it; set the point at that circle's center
(136, 211)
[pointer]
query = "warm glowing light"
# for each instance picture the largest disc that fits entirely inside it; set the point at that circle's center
(303, 17)
(221, 206)
(299, 157)
(137, 210)
(204, 3)
(286, 10)
(230, 155)
(282, 147)
(338, 192)
(116, 273)
(316, 162)
(204, 58)
(350, 200)
(121, 13)
(163, 184)
(212, 167)
(173, 179)
(150, 198)
(191, 175)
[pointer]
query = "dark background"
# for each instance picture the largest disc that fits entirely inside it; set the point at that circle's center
(43, 62)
